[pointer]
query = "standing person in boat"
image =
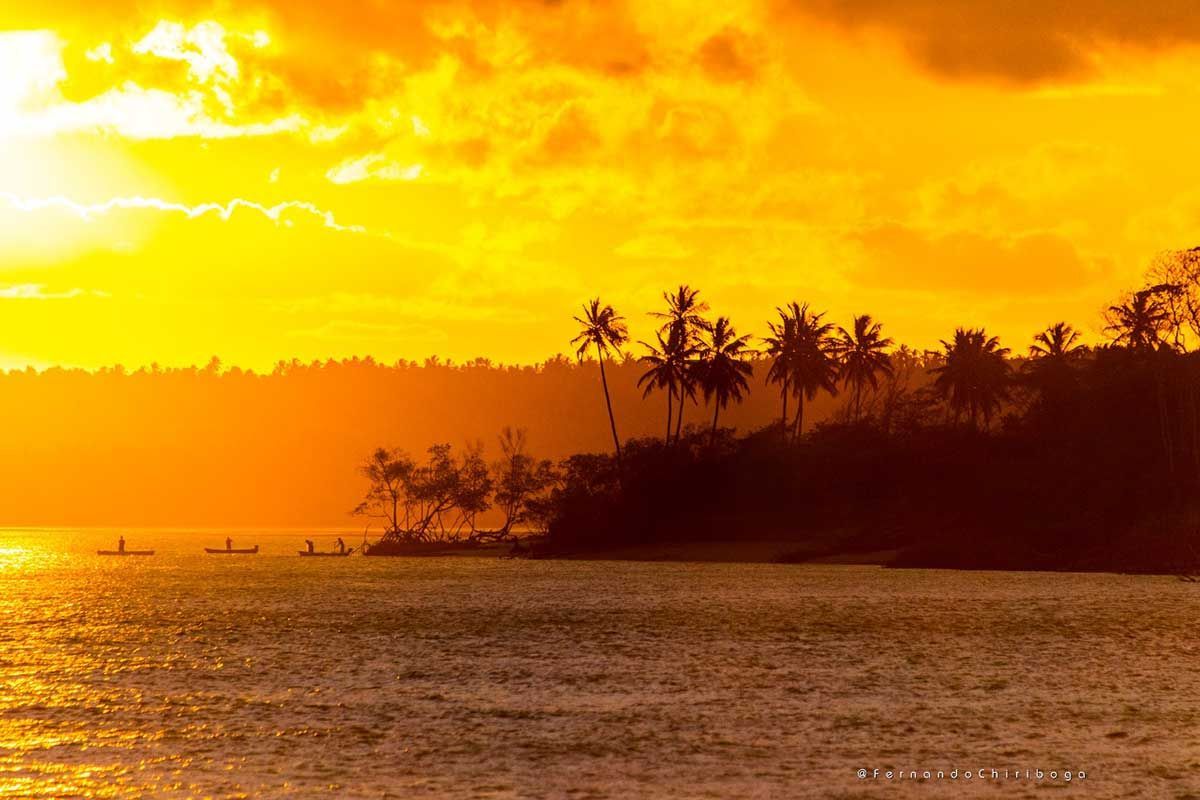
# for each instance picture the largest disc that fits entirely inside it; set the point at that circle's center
(228, 543)
(121, 544)
(309, 544)
(341, 545)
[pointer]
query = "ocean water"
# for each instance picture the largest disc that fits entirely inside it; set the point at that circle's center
(185, 675)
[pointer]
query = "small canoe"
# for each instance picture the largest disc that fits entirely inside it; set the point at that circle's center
(331, 553)
(245, 551)
(124, 552)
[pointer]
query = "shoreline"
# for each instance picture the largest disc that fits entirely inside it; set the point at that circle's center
(731, 551)
(783, 552)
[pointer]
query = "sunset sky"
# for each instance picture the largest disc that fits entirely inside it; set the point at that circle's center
(268, 180)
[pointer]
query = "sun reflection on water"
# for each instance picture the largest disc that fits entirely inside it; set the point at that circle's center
(16, 558)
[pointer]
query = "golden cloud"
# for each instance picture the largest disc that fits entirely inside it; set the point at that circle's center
(898, 257)
(1027, 41)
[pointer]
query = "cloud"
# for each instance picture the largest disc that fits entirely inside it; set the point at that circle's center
(571, 137)
(1027, 41)
(206, 104)
(657, 247)
(901, 258)
(38, 291)
(374, 166)
(101, 52)
(729, 55)
(280, 213)
(141, 114)
(372, 333)
(202, 47)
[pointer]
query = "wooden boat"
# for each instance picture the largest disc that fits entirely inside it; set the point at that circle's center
(245, 551)
(327, 553)
(124, 552)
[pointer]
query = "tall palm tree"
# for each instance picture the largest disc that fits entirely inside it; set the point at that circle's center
(976, 376)
(604, 329)
(1140, 322)
(725, 370)
(862, 356)
(814, 367)
(685, 310)
(781, 347)
(684, 320)
(670, 368)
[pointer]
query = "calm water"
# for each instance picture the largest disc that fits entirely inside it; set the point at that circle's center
(186, 675)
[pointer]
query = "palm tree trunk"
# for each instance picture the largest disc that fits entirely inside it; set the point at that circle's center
(612, 422)
(716, 411)
(784, 425)
(670, 408)
(798, 428)
(679, 416)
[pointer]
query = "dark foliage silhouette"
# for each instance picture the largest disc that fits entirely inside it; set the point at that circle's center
(975, 378)
(671, 366)
(1096, 464)
(603, 329)
(723, 367)
(862, 354)
(814, 364)
(683, 322)
(1141, 321)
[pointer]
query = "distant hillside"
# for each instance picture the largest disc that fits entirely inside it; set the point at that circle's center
(207, 446)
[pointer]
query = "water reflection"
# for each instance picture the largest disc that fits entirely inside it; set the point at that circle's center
(277, 676)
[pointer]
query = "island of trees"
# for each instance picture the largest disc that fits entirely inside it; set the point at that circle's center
(1059, 456)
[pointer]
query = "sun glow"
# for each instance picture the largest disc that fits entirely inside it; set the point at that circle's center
(506, 165)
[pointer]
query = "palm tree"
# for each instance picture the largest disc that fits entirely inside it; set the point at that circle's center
(1057, 341)
(1050, 370)
(814, 367)
(604, 329)
(975, 378)
(1139, 322)
(725, 369)
(669, 369)
(684, 321)
(801, 347)
(781, 347)
(684, 310)
(862, 356)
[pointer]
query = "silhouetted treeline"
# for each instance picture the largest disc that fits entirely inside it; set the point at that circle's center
(1099, 473)
(1069, 457)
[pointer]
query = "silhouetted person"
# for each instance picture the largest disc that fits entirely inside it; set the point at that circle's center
(121, 544)
(228, 543)
(309, 543)
(341, 545)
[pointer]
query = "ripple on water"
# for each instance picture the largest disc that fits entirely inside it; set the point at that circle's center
(273, 677)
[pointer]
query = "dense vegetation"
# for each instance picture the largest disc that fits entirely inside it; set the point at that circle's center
(1067, 457)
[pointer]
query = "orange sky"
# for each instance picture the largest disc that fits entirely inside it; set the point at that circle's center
(267, 179)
